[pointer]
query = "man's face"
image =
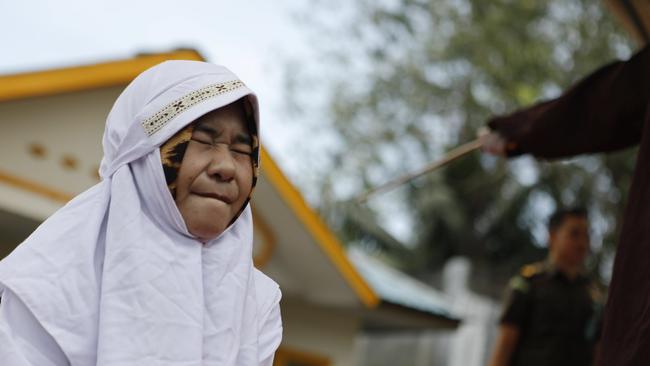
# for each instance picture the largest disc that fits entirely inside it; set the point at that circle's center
(569, 242)
(216, 174)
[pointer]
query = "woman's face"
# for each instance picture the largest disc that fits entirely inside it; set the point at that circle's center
(216, 174)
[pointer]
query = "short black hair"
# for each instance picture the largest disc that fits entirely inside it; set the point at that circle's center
(559, 215)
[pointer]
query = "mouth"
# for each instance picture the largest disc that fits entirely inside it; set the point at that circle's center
(216, 196)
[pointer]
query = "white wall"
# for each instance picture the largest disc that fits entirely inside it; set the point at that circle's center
(324, 331)
(63, 126)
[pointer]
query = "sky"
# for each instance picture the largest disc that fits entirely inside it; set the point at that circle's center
(251, 37)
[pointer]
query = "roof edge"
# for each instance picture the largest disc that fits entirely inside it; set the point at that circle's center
(78, 78)
(327, 241)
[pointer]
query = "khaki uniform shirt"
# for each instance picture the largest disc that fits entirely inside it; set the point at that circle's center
(558, 318)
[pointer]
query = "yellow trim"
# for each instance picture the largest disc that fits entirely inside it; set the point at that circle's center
(268, 241)
(319, 230)
(287, 356)
(58, 81)
(34, 187)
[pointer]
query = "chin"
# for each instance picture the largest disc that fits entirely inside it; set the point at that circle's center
(206, 219)
(207, 232)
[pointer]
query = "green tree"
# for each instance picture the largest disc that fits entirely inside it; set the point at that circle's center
(416, 77)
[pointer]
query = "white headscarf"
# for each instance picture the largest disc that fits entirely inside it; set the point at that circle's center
(114, 276)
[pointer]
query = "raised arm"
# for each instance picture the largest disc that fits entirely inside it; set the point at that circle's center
(603, 112)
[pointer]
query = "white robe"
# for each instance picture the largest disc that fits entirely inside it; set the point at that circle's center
(29, 344)
(114, 278)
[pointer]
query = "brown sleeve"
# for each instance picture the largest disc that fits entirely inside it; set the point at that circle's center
(603, 112)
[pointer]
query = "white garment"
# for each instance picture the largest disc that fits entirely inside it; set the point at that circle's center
(114, 277)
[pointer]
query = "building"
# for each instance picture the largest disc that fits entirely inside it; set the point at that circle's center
(52, 123)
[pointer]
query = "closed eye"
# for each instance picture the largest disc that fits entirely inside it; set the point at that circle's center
(242, 149)
(203, 134)
(206, 135)
(201, 140)
(243, 144)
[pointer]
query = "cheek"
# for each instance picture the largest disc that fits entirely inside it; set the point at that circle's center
(189, 180)
(182, 187)
(246, 185)
(187, 174)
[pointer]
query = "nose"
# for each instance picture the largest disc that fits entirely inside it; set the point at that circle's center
(222, 164)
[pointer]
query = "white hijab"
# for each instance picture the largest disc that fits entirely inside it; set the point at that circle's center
(114, 276)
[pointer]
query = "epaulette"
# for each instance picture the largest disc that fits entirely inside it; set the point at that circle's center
(518, 283)
(521, 282)
(532, 269)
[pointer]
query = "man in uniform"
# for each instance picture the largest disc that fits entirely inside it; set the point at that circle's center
(552, 316)
(606, 111)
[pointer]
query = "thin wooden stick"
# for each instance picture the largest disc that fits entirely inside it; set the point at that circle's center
(452, 155)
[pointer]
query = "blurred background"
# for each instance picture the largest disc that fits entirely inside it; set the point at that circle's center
(353, 93)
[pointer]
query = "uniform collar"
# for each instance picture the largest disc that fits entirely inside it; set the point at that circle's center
(554, 271)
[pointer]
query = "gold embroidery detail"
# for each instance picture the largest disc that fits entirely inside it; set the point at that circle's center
(161, 118)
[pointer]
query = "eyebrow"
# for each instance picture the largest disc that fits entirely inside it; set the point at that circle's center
(242, 138)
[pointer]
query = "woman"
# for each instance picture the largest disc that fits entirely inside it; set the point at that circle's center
(153, 265)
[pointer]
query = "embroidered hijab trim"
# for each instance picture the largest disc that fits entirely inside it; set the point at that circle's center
(154, 123)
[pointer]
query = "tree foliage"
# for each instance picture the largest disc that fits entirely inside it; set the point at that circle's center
(416, 77)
